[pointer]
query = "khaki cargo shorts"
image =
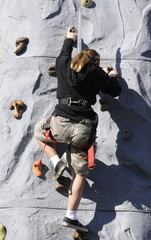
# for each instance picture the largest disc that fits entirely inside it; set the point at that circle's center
(75, 134)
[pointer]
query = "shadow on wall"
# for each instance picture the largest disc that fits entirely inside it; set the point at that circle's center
(131, 179)
(133, 113)
(110, 188)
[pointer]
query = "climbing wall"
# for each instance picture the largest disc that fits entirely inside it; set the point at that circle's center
(116, 201)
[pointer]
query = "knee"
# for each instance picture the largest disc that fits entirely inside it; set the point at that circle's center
(39, 133)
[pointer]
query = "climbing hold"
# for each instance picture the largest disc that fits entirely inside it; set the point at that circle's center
(21, 43)
(104, 106)
(108, 69)
(2, 232)
(127, 134)
(18, 106)
(70, 29)
(79, 235)
(52, 70)
(64, 183)
(86, 3)
(37, 168)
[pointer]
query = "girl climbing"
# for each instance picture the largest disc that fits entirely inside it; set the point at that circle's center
(74, 121)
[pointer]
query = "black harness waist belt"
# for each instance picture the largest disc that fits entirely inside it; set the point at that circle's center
(69, 101)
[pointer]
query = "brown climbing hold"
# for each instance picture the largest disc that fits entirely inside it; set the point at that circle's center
(104, 106)
(18, 106)
(86, 3)
(37, 168)
(52, 70)
(127, 134)
(79, 235)
(72, 29)
(21, 43)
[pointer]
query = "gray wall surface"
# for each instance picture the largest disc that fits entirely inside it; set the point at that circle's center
(116, 203)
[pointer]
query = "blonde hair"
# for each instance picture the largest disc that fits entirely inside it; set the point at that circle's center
(84, 57)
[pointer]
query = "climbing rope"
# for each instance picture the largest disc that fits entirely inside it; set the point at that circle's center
(79, 40)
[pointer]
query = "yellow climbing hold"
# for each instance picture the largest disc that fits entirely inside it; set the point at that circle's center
(86, 3)
(2, 232)
(18, 106)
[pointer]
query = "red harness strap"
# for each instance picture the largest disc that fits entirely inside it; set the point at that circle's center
(91, 164)
(47, 134)
(91, 159)
(50, 134)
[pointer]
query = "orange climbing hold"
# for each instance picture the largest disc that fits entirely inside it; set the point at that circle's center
(37, 168)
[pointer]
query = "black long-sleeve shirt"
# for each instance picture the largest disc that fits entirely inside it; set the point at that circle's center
(85, 85)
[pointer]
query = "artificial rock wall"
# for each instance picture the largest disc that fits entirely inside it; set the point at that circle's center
(116, 203)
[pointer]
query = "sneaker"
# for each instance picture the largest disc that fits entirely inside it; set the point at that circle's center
(67, 222)
(59, 169)
(64, 183)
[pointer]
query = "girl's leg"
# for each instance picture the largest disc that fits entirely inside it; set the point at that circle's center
(75, 191)
(49, 150)
(59, 166)
(75, 194)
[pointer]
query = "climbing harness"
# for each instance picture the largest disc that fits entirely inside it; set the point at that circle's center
(90, 155)
(69, 101)
(88, 145)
